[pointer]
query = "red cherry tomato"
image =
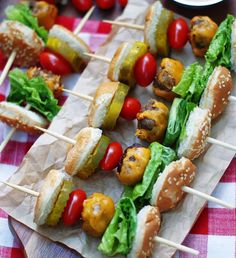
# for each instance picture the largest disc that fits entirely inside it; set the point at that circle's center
(112, 156)
(145, 70)
(178, 33)
(105, 4)
(2, 60)
(55, 63)
(123, 3)
(82, 5)
(74, 207)
(130, 108)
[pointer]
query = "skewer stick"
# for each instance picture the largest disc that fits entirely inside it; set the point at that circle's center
(189, 190)
(84, 20)
(220, 143)
(177, 246)
(77, 94)
(232, 98)
(102, 58)
(22, 189)
(7, 66)
(126, 25)
(57, 135)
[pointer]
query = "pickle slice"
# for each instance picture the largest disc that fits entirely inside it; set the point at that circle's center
(54, 217)
(127, 67)
(166, 17)
(115, 107)
(95, 158)
(67, 52)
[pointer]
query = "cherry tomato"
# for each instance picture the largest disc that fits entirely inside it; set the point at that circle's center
(2, 60)
(130, 108)
(54, 63)
(105, 4)
(123, 3)
(178, 33)
(74, 207)
(82, 5)
(112, 156)
(145, 70)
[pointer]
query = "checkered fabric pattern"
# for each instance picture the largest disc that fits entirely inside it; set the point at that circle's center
(214, 233)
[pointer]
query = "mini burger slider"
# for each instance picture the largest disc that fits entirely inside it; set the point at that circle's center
(107, 105)
(84, 157)
(53, 197)
(21, 118)
(68, 45)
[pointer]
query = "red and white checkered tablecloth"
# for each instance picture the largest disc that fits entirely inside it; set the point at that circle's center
(214, 233)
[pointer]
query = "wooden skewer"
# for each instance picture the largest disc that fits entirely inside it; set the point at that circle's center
(21, 188)
(77, 94)
(220, 143)
(177, 246)
(126, 25)
(84, 20)
(102, 58)
(189, 190)
(232, 98)
(7, 67)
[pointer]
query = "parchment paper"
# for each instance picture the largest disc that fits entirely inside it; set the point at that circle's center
(48, 153)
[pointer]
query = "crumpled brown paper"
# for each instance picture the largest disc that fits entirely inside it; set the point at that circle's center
(48, 153)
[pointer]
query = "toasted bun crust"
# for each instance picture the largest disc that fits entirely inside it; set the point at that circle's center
(48, 195)
(197, 128)
(151, 21)
(167, 95)
(167, 191)
(21, 118)
(75, 42)
(16, 36)
(216, 94)
(101, 102)
(116, 62)
(77, 156)
(233, 46)
(148, 225)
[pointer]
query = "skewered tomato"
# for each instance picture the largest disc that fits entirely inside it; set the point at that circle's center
(54, 63)
(82, 5)
(2, 60)
(178, 33)
(112, 156)
(130, 108)
(74, 207)
(105, 4)
(123, 3)
(145, 70)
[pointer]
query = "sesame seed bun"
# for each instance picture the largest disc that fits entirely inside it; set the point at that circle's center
(48, 195)
(117, 60)
(216, 94)
(21, 118)
(148, 225)
(73, 41)
(101, 102)
(197, 130)
(167, 191)
(233, 46)
(77, 156)
(152, 19)
(16, 36)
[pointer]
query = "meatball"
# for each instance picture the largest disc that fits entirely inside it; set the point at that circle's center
(152, 121)
(202, 31)
(135, 159)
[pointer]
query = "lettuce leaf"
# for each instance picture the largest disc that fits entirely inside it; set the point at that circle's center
(21, 13)
(119, 235)
(219, 51)
(160, 157)
(34, 92)
(179, 111)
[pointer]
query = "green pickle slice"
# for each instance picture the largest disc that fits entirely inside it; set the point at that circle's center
(127, 68)
(115, 107)
(60, 204)
(165, 19)
(95, 158)
(67, 52)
